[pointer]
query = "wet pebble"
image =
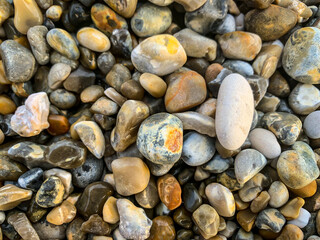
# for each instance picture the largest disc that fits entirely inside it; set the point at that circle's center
(65, 178)
(50, 193)
(110, 211)
(96, 225)
(22, 225)
(169, 191)
(64, 213)
(12, 196)
(31, 179)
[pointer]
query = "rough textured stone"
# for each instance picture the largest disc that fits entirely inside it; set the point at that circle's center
(39, 46)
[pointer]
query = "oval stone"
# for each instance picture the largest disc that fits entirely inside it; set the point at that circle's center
(93, 39)
(160, 138)
(61, 41)
(167, 55)
(301, 54)
(234, 114)
(311, 125)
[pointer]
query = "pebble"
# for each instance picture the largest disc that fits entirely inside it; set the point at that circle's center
(285, 126)
(253, 187)
(110, 211)
(65, 178)
(92, 137)
(270, 219)
(7, 106)
(207, 220)
(26, 15)
(292, 208)
(246, 219)
(134, 224)
(291, 231)
(22, 225)
(221, 199)
(79, 79)
(66, 154)
(12, 196)
(191, 40)
(239, 66)
(168, 57)
(153, 84)
(56, 57)
(240, 45)
(260, 202)
(127, 124)
(73, 231)
(169, 191)
(125, 9)
(61, 41)
(217, 164)
(104, 106)
(132, 90)
(89, 172)
(91, 93)
(270, 23)
(182, 83)
(96, 225)
(279, 194)
(93, 198)
(63, 99)
(64, 213)
(105, 19)
(50, 193)
(117, 76)
(57, 74)
(247, 164)
(31, 179)
(302, 220)
(54, 13)
(259, 4)
(297, 167)
(278, 85)
(88, 58)
(58, 124)
(30, 119)
(6, 10)
(47, 230)
(2, 217)
(160, 138)
(302, 43)
(310, 125)
(206, 18)
(149, 20)
(149, 197)
(99, 42)
(236, 92)
(307, 191)
(18, 61)
(191, 197)
(37, 39)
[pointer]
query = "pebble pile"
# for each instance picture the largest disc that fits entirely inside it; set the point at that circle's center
(159, 119)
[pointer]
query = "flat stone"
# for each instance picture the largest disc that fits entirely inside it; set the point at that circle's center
(18, 61)
(79, 79)
(279, 194)
(221, 199)
(260, 202)
(11, 196)
(38, 43)
(104, 106)
(149, 197)
(23, 226)
(270, 219)
(246, 219)
(91, 93)
(169, 191)
(247, 164)
(265, 142)
(236, 92)
(253, 187)
(30, 119)
(50, 193)
(134, 224)
(218, 164)
(172, 55)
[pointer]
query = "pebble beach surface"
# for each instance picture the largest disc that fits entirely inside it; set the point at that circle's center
(159, 119)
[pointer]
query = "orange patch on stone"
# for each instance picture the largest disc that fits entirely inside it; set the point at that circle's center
(174, 140)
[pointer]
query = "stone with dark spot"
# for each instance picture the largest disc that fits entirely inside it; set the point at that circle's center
(160, 138)
(125, 8)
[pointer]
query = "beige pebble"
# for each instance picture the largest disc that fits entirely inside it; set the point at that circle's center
(110, 211)
(93, 39)
(153, 84)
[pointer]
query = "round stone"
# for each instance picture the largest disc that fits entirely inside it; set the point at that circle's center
(279, 194)
(167, 56)
(265, 142)
(297, 168)
(247, 164)
(240, 45)
(92, 137)
(104, 106)
(270, 219)
(234, 114)
(54, 12)
(131, 175)
(310, 125)
(150, 20)
(50, 193)
(57, 74)
(186, 89)
(93, 39)
(160, 138)
(7, 106)
(193, 143)
(63, 99)
(169, 191)
(221, 198)
(153, 84)
(301, 49)
(91, 93)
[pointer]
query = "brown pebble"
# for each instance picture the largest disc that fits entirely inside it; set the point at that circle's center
(162, 229)
(307, 191)
(260, 202)
(246, 219)
(291, 232)
(153, 84)
(132, 90)
(7, 106)
(212, 71)
(169, 191)
(58, 125)
(91, 93)
(208, 107)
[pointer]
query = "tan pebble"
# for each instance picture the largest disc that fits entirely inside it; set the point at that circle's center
(3, 77)
(307, 191)
(115, 96)
(93, 39)
(260, 202)
(6, 10)
(2, 137)
(240, 205)
(212, 71)
(7, 106)
(73, 198)
(104, 106)
(279, 194)
(246, 219)
(110, 211)
(109, 178)
(11, 196)
(153, 84)
(73, 132)
(292, 209)
(233, 8)
(64, 213)
(54, 13)
(289, 232)
(208, 108)
(91, 93)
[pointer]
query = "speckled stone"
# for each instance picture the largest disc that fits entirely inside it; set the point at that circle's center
(181, 84)
(65, 178)
(6, 10)
(11, 196)
(164, 131)
(207, 220)
(285, 126)
(167, 57)
(270, 219)
(134, 224)
(127, 125)
(61, 41)
(38, 43)
(297, 168)
(270, 23)
(149, 20)
(303, 42)
(50, 193)
(235, 92)
(310, 125)
(18, 61)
